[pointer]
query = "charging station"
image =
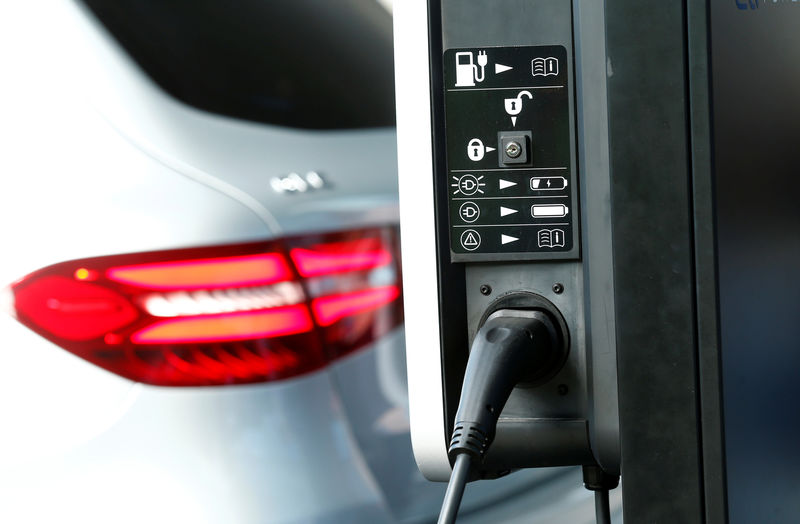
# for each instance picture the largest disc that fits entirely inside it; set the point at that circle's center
(591, 162)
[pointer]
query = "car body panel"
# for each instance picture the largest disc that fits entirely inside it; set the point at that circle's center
(205, 455)
(244, 156)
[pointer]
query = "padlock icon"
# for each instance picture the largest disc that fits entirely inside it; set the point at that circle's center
(514, 105)
(475, 150)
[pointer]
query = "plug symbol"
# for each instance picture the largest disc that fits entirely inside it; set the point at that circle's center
(468, 184)
(514, 105)
(482, 61)
(469, 212)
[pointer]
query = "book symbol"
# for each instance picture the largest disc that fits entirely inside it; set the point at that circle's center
(551, 238)
(545, 66)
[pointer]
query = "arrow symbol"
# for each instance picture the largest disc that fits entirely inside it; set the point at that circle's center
(505, 183)
(514, 121)
(506, 239)
(500, 68)
(490, 149)
(506, 211)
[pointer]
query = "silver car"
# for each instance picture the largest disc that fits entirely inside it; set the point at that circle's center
(204, 303)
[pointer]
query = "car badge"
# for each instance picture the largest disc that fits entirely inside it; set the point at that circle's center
(296, 183)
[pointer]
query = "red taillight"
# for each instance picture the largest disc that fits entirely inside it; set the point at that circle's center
(61, 306)
(341, 257)
(331, 309)
(223, 315)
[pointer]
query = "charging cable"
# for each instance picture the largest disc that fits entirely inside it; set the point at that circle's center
(597, 480)
(510, 346)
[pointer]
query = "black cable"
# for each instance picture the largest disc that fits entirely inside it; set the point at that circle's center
(602, 507)
(510, 345)
(455, 489)
(599, 481)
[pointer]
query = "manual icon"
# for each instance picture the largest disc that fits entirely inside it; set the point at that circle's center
(551, 238)
(545, 66)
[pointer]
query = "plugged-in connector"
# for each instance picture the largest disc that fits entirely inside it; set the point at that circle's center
(509, 346)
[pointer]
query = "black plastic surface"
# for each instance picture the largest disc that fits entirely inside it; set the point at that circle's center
(708, 362)
(654, 261)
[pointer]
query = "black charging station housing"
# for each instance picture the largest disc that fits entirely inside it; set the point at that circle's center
(679, 288)
(530, 218)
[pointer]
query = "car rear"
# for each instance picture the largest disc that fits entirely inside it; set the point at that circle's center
(170, 330)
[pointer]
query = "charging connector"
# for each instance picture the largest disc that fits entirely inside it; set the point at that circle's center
(511, 345)
(597, 480)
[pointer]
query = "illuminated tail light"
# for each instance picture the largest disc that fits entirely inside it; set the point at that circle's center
(223, 315)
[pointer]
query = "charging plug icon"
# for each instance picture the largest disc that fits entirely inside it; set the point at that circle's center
(467, 73)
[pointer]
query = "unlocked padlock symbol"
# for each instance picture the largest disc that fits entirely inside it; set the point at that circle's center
(475, 150)
(514, 105)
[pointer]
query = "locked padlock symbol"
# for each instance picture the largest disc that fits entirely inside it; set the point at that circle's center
(475, 150)
(514, 105)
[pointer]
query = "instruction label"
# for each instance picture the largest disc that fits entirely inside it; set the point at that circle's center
(511, 180)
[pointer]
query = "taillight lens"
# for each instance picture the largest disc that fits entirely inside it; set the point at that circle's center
(222, 315)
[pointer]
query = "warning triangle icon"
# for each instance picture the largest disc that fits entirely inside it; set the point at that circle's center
(470, 240)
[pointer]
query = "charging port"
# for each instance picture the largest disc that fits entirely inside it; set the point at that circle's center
(523, 301)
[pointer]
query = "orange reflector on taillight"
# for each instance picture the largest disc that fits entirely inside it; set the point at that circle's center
(228, 272)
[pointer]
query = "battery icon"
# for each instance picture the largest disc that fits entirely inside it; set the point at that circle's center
(549, 210)
(548, 183)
